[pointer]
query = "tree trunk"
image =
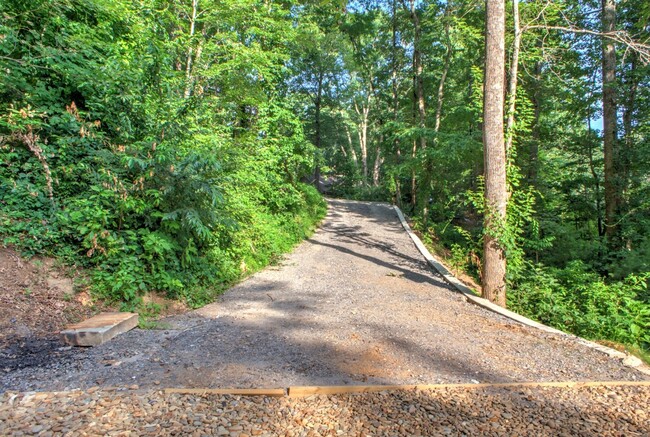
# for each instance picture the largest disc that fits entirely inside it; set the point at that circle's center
(494, 259)
(190, 50)
(612, 184)
(445, 71)
(377, 167)
(594, 174)
(317, 103)
(419, 110)
(363, 136)
(394, 66)
(512, 84)
(632, 86)
(353, 153)
(533, 152)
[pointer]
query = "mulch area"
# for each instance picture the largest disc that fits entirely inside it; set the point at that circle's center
(512, 411)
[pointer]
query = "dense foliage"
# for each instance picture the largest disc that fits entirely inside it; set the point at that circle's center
(402, 122)
(163, 143)
(147, 141)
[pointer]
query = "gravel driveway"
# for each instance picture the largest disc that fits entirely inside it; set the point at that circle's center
(354, 304)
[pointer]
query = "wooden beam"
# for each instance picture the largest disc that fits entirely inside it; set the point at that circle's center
(273, 392)
(303, 391)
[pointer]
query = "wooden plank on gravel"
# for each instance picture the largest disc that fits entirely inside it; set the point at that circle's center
(99, 329)
(273, 392)
(303, 391)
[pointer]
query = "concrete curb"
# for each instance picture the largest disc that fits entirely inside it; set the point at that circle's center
(626, 359)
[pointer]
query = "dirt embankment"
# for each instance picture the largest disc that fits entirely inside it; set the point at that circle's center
(38, 297)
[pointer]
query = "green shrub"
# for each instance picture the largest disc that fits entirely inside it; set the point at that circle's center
(579, 301)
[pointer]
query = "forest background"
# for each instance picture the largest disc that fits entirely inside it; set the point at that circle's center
(174, 146)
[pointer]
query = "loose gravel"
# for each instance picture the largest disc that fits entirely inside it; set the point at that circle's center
(354, 304)
(588, 411)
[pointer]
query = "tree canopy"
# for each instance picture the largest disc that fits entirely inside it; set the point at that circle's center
(168, 145)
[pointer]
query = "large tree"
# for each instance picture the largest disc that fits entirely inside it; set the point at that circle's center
(612, 181)
(494, 260)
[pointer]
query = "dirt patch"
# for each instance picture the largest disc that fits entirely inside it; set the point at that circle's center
(38, 298)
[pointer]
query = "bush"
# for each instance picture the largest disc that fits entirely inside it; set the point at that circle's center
(576, 300)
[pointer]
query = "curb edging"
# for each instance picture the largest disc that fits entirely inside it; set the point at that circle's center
(626, 359)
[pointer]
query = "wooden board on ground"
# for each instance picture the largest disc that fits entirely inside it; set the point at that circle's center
(296, 392)
(99, 329)
(273, 392)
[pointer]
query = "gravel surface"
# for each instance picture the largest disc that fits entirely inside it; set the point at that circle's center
(602, 411)
(355, 304)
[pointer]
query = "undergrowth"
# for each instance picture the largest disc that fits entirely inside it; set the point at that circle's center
(573, 299)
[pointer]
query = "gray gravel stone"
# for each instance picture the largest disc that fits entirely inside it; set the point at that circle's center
(354, 304)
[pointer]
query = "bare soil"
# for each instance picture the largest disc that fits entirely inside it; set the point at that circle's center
(354, 304)
(37, 298)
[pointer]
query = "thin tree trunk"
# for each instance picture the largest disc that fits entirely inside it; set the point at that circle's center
(318, 140)
(377, 167)
(445, 71)
(512, 84)
(628, 130)
(533, 152)
(353, 152)
(419, 110)
(612, 184)
(594, 174)
(419, 70)
(396, 144)
(363, 136)
(190, 51)
(494, 259)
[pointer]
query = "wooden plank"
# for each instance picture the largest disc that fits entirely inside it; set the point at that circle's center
(273, 392)
(99, 329)
(302, 391)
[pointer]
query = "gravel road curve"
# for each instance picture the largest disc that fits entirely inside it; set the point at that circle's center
(354, 304)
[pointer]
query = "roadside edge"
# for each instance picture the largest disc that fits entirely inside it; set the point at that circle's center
(626, 359)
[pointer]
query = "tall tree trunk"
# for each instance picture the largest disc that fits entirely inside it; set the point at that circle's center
(533, 152)
(632, 86)
(353, 153)
(494, 259)
(394, 66)
(445, 72)
(419, 109)
(512, 84)
(610, 147)
(318, 140)
(363, 114)
(594, 174)
(190, 51)
(377, 167)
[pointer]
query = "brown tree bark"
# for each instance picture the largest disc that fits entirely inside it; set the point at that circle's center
(190, 51)
(494, 258)
(612, 184)
(394, 67)
(318, 100)
(363, 113)
(533, 152)
(512, 84)
(418, 70)
(445, 71)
